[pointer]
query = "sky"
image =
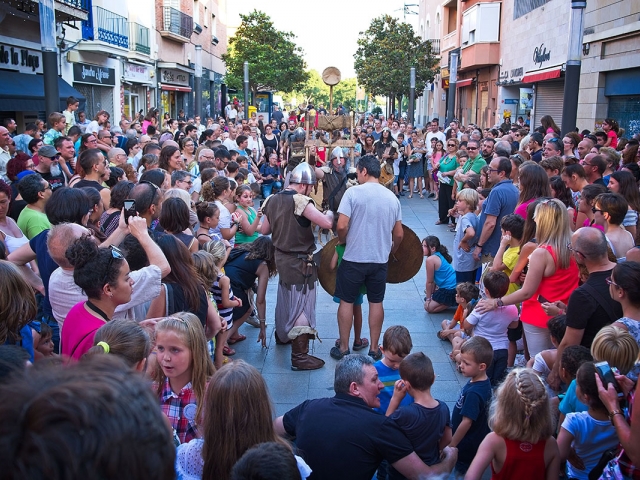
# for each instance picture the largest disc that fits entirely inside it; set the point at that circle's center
(326, 30)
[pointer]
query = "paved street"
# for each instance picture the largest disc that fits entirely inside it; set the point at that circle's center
(403, 306)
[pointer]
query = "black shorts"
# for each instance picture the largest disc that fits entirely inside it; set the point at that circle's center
(352, 275)
(515, 334)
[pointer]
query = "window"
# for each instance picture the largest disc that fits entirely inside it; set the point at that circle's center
(452, 22)
(196, 12)
(522, 7)
(214, 25)
(481, 23)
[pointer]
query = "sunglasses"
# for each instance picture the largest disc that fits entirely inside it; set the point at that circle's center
(611, 282)
(594, 210)
(115, 253)
(451, 144)
(155, 188)
(472, 148)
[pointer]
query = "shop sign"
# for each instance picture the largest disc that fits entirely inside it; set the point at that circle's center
(174, 77)
(136, 73)
(20, 59)
(83, 73)
(541, 55)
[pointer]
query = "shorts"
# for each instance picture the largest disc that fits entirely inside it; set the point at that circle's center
(445, 296)
(359, 300)
(403, 168)
(515, 334)
(395, 179)
(351, 275)
(462, 277)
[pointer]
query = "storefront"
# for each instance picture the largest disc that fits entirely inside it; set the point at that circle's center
(22, 84)
(175, 90)
(96, 83)
(622, 89)
(137, 83)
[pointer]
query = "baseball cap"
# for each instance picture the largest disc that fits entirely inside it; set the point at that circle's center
(47, 151)
(24, 173)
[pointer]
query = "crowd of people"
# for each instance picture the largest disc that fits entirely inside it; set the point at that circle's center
(144, 241)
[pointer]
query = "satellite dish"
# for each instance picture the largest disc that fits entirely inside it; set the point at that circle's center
(331, 76)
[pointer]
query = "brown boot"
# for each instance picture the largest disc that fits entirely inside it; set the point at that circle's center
(280, 342)
(300, 358)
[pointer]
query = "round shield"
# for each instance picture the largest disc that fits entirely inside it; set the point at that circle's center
(331, 76)
(402, 266)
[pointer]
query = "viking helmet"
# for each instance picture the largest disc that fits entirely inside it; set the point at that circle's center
(303, 174)
(298, 135)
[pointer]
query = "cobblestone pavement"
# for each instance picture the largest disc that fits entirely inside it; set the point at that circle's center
(403, 305)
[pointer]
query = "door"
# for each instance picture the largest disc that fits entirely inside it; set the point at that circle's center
(626, 110)
(548, 101)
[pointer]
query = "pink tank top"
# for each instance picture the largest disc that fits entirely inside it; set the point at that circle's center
(553, 288)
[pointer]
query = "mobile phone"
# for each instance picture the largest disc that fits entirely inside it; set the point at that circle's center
(607, 377)
(541, 299)
(129, 210)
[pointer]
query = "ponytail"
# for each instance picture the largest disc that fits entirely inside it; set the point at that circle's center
(434, 242)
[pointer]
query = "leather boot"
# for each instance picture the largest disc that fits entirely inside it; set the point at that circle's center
(300, 358)
(280, 342)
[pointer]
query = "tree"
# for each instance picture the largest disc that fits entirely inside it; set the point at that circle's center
(386, 52)
(275, 62)
(315, 91)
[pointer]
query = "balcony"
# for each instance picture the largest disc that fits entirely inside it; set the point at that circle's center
(111, 28)
(480, 55)
(65, 10)
(449, 41)
(435, 46)
(139, 38)
(176, 25)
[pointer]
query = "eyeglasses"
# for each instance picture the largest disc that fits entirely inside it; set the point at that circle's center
(611, 282)
(594, 210)
(451, 144)
(48, 187)
(493, 170)
(30, 166)
(115, 253)
(571, 249)
(472, 148)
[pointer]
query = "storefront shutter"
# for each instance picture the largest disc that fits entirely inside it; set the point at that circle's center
(548, 101)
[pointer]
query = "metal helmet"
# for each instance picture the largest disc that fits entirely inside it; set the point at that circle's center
(298, 135)
(303, 174)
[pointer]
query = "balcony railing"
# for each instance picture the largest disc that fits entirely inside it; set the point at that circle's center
(435, 46)
(81, 4)
(139, 38)
(111, 27)
(177, 24)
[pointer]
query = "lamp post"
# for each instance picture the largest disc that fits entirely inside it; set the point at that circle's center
(198, 82)
(453, 79)
(246, 90)
(574, 64)
(412, 95)
(49, 56)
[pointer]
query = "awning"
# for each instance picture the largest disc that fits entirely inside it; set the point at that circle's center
(174, 88)
(540, 76)
(22, 92)
(464, 83)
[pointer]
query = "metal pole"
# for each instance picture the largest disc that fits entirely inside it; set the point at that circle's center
(574, 64)
(453, 79)
(246, 90)
(197, 84)
(412, 95)
(49, 56)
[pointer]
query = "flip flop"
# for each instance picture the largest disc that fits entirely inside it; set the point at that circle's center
(239, 338)
(228, 351)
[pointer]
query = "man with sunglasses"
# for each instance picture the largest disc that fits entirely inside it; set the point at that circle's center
(590, 306)
(49, 168)
(553, 148)
(594, 166)
(473, 165)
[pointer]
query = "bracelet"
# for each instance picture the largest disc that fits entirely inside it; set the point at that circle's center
(613, 413)
(479, 246)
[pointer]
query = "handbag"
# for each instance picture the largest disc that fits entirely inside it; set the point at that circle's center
(607, 458)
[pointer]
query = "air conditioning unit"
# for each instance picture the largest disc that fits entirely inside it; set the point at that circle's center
(214, 40)
(197, 28)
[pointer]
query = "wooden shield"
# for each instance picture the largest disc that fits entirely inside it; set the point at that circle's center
(403, 265)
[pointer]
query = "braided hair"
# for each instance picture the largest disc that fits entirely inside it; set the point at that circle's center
(520, 409)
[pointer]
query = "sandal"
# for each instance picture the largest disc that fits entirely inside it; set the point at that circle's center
(438, 222)
(337, 354)
(364, 343)
(239, 338)
(410, 195)
(440, 336)
(228, 351)
(421, 196)
(375, 355)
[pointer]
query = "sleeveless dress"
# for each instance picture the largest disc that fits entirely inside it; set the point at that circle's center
(225, 313)
(555, 287)
(524, 461)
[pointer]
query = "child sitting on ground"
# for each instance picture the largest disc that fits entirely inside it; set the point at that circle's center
(494, 325)
(469, 419)
(466, 295)
(589, 433)
(506, 258)
(572, 358)
(426, 421)
(543, 362)
(521, 445)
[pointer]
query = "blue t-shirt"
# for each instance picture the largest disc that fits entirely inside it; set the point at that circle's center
(472, 403)
(388, 377)
(501, 201)
(266, 170)
(445, 276)
(570, 402)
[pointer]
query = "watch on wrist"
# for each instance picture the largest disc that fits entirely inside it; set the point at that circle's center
(479, 246)
(499, 302)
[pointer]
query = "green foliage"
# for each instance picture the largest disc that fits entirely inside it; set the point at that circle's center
(386, 52)
(275, 62)
(376, 110)
(315, 91)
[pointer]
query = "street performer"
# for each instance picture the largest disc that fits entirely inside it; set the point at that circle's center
(334, 180)
(288, 216)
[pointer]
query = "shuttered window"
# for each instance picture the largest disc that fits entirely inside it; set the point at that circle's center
(548, 101)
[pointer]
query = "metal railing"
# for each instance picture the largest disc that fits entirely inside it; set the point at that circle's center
(139, 38)
(435, 46)
(81, 4)
(177, 22)
(111, 27)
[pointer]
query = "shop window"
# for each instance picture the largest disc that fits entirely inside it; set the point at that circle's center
(522, 7)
